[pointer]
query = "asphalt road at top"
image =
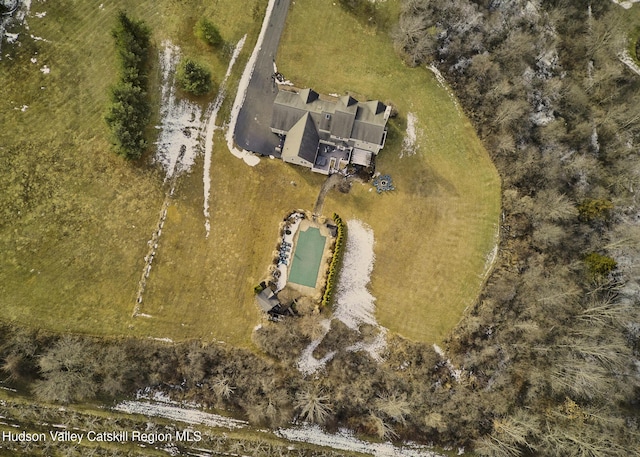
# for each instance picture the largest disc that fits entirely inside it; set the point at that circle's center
(253, 131)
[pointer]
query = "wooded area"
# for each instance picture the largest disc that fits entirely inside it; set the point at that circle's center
(554, 337)
(545, 363)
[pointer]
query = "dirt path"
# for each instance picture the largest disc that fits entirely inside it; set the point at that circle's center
(331, 182)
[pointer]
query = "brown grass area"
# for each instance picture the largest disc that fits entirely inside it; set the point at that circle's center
(203, 287)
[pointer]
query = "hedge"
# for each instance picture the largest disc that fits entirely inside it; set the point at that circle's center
(335, 260)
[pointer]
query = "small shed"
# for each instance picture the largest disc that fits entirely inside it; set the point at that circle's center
(268, 300)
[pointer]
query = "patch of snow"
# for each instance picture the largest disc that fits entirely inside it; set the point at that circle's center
(11, 37)
(164, 340)
(41, 15)
(443, 83)
(34, 60)
(307, 363)
(354, 304)
(38, 38)
(346, 441)
(212, 113)
(626, 59)
(101, 7)
(286, 82)
(595, 144)
(24, 108)
(23, 11)
(375, 348)
(144, 315)
(456, 373)
(180, 125)
(541, 118)
(46, 70)
(626, 4)
(241, 94)
(409, 146)
(181, 414)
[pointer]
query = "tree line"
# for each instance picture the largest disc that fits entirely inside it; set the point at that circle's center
(555, 334)
(129, 111)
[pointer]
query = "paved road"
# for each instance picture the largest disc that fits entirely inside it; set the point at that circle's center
(253, 126)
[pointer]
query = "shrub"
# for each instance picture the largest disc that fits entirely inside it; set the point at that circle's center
(194, 77)
(208, 32)
(595, 209)
(335, 259)
(600, 265)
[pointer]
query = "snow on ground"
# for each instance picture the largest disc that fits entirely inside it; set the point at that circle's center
(307, 363)
(354, 304)
(346, 441)
(23, 11)
(158, 404)
(39, 38)
(375, 348)
(456, 373)
(443, 83)
(187, 415)
(41, 15)
(243, 85)
(45, 69)
(180, 125)
(409, 144)
(212, 113)
(626, 59)
(18, 18)
(626, 4)
(11, 37)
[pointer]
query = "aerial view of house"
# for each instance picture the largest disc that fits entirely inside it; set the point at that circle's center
(423, 242)
(327, 133)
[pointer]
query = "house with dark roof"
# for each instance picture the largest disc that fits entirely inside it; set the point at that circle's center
(327, 134)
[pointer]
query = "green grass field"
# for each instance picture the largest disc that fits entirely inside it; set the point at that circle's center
(433, 235)
(76, 219)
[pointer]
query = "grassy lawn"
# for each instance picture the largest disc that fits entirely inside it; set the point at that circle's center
(435, 232)
(76, 219)
(203, 287)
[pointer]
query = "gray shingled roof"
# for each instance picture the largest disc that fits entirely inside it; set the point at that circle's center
(344, 118)
(302, 140)
(267, 300)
